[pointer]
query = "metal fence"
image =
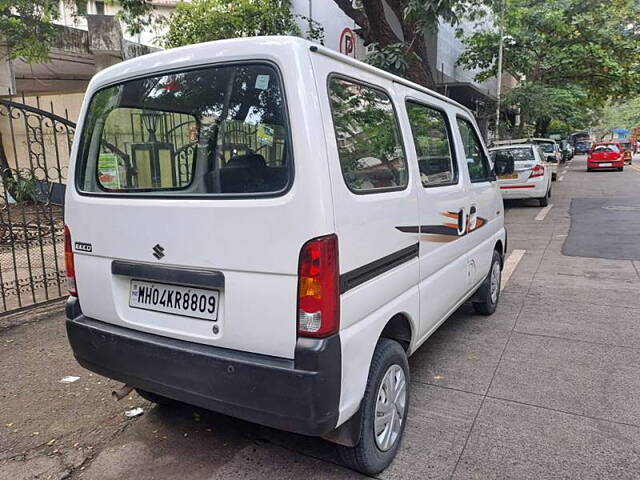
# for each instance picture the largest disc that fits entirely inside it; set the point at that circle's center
(35, 144)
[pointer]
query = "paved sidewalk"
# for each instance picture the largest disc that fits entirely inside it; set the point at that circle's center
(548, 387)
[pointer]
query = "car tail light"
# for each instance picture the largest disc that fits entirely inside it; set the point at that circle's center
(537, 171)
(68, 262)
(318, 291)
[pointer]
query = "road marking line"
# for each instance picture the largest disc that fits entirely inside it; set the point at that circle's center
(635, 167)
(510, 265)
(561, 178)
(543, 213)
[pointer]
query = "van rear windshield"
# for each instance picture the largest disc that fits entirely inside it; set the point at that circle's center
(212, 131)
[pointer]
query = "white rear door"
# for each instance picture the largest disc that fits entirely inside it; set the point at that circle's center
(205, 173)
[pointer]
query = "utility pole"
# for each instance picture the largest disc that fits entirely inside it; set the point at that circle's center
(499, 78)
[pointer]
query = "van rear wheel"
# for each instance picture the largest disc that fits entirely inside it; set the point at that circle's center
(384, 411)
(489, 291)
(155, 398)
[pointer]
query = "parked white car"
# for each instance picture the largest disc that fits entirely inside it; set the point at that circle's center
(549, 150)
(531, 177)
(268, 229)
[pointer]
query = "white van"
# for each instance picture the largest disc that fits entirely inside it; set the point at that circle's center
(268, 229)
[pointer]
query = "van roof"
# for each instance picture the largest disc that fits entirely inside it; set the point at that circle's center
(251, 48)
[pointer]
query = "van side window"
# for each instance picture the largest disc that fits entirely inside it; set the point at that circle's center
(369, 146)
(477, 163)
(433, 145)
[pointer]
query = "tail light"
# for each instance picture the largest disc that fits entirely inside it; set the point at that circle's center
(318, 291)
(68, 262)
(537, 171)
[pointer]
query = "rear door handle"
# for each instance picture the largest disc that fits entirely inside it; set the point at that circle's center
(461, 221)
(473, 217)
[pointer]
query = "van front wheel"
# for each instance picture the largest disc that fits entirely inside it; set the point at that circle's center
(384, 411)
(489, 291)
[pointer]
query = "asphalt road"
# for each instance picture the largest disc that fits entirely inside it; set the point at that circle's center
(548, 387)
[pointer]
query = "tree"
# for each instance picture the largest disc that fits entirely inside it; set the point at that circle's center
(28, 26)
(406, 54)
(208, 20)
(559, 48)
(566, 108)
(624, 114)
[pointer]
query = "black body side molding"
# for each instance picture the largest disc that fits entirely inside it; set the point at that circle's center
(365, 273)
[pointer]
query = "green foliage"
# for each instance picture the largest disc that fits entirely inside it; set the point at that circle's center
(136, 15)
(393, 58)
(207, 20)
(21, 184)
(407, 54)
(619, 115)
(27, 27)
(569, 56)
(570, 105)
(589, 43)
(427, 14)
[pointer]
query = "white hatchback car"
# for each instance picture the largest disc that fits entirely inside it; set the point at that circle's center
(268, 229)
(531, 177)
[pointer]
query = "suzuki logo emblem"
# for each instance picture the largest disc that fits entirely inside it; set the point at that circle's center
(158, 251)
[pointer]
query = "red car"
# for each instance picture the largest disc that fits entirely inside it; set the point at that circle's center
(605, 155)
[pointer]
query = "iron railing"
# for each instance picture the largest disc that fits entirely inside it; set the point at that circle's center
(34, 149)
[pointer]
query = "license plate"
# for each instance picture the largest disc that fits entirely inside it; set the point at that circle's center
(605, 164)
(508, 176)
(174, 299)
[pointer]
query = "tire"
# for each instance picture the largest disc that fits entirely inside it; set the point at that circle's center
(157, 399)
(620, 169)
(553, 177)
(490, 302)
(588, 169)
(544, 201)
(368, 457)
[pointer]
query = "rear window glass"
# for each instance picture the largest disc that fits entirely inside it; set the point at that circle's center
(606, 149)
(518, 154)
(546, 147)
(212, 131)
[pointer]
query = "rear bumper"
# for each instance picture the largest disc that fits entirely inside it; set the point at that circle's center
(300, 395)
(534, 188)
(596, 165)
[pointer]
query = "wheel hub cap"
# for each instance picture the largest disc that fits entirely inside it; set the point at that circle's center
(390, 408)
(495, 282)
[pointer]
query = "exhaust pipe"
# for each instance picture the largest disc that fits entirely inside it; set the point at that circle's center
(122, 392)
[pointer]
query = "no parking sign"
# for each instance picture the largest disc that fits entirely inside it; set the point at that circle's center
(348, 42)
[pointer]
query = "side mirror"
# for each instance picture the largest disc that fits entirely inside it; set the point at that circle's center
(503, 164)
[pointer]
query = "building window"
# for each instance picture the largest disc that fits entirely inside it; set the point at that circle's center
(99, 8)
